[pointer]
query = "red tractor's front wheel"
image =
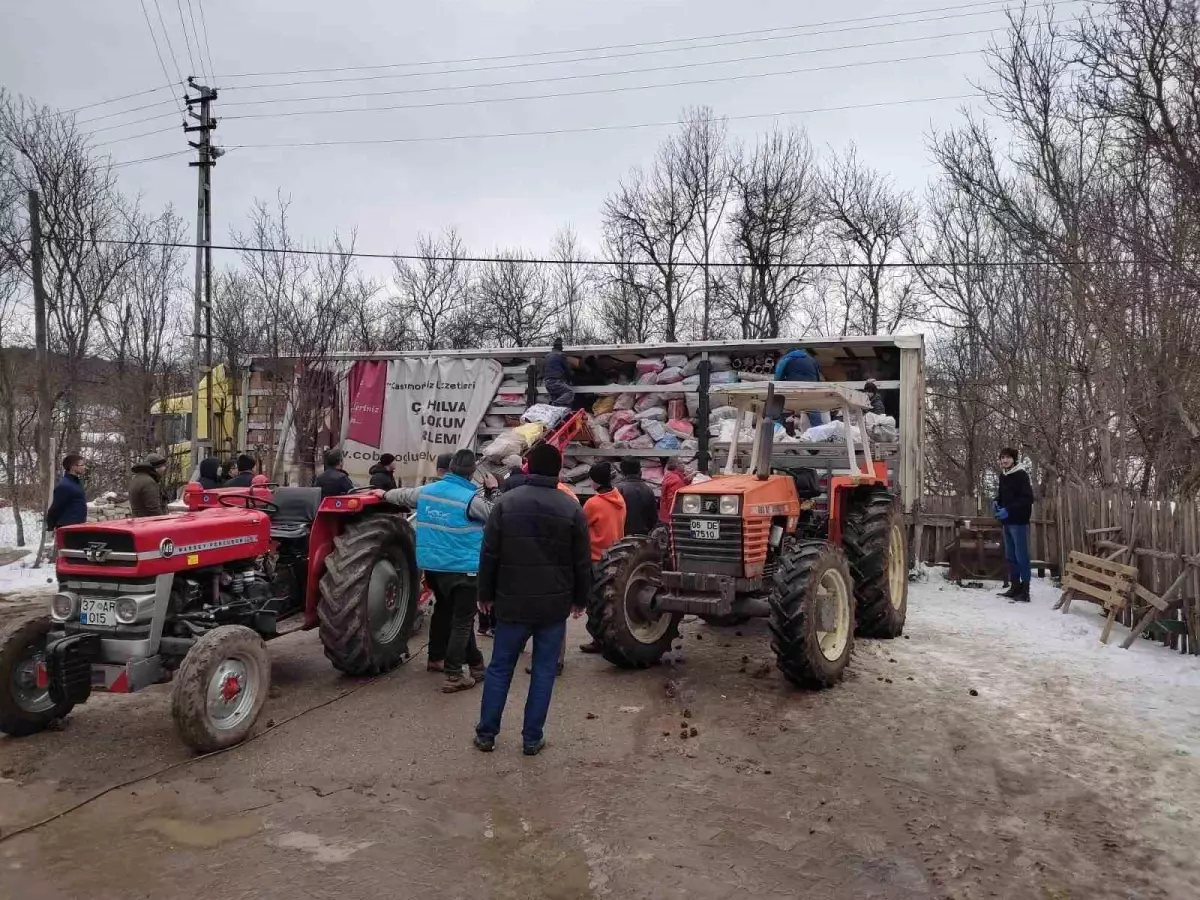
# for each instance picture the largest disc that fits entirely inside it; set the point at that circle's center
(26, 706)
(221, 688)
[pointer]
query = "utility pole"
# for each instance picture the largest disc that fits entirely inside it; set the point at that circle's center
(207, 156)
(41, 355)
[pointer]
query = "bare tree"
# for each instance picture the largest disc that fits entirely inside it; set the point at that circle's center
(707, 173)
(625, 310)
(653, 213)
(513, 301)
(868, 222)
(434, 289)
(573, 287)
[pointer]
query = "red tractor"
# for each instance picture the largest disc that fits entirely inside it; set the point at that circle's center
(190, 598)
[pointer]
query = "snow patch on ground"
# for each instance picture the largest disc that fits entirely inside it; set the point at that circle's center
(18, 576)
(1147, 682)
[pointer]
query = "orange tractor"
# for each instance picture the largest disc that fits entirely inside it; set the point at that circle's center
(821, 562)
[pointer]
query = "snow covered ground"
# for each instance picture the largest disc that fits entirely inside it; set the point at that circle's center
(1014, 642)
(19, 576)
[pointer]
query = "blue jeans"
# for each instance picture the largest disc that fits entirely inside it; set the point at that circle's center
(1016, 551)
(508, 641)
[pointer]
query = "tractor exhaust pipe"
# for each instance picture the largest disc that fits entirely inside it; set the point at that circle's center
(772, 409)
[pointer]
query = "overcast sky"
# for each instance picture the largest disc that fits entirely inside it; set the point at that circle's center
(497, 191)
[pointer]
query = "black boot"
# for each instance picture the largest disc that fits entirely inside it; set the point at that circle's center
(1022, 594)
(1013, 588)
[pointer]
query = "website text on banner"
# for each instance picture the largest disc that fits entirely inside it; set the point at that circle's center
(414, 409)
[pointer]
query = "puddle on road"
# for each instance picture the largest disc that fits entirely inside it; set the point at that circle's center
(321, 850)
(204, 834)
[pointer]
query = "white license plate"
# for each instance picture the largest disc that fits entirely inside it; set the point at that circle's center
(98, 612)
(705, 529)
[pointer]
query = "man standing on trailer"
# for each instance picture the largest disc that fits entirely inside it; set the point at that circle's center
(797, 365)
(557, 374)
(1014, 507)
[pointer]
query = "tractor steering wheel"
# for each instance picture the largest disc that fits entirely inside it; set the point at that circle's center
(363, 490)
(248, 501)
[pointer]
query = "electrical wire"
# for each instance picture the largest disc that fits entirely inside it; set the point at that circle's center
(186, 40)
(167, 38)
(196, 35)
(207, 45)
(665, 68)
(145, 159)
(158, 52)
(621, 89)
(1001, 4)
(587, 129)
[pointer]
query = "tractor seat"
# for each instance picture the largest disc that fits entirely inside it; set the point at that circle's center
(808, 483)
(297, 509)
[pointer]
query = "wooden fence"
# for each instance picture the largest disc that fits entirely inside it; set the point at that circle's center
(1163, 535)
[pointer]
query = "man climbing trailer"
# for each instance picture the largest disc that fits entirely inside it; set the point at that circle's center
(821, 562)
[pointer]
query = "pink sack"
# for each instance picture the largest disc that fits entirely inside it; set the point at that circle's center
(677, 408)
(670, 376)
(681, 428)
(648, 400)
(649, 365)
(644, 442)
(648, 378)
(620, 419)
(625, 401)
(627, 433)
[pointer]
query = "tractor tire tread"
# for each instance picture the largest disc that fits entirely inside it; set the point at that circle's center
(797, 655)
(866, 537)
(189, 690)
(14, 638)
(343, 616)
(606, 622)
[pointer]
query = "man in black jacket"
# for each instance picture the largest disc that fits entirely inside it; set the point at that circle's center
(210, 473)
(641, 506)
(383, 473)
(333, 482)
(1013, 507)
(534, 571)
(245, 473)
(69, 506)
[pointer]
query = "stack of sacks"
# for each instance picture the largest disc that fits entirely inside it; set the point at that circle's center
(549, 416)
(881, 429)
(830, 433)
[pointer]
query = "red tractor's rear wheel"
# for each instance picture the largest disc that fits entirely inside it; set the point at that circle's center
(812, 614)
(220, 688)
(876, 545)
(630, 634)
(369, 595)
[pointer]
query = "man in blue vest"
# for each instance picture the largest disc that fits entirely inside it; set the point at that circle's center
(450, 517)
(797, 365)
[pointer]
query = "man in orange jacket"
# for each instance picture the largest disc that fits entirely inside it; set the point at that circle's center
(605, 514)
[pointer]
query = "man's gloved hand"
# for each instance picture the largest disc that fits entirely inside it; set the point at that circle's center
(1001, 513)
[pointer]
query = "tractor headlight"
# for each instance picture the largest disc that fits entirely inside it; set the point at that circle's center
(690, 505)
(127, 610)
(729, 505)
(64, 606)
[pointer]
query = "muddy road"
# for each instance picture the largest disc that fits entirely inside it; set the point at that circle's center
(897, 784)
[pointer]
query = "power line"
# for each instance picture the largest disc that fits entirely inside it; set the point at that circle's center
(158, 53)
(529, 261)
(132, 109)
(672, 67)
(186, 40)
(620, 89)
(207, 45)
(196, 35)
(146, 159)
(1001, 4)
(167, 38)
(588, 129)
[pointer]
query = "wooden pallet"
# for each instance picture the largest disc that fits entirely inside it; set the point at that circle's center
(1109, 583)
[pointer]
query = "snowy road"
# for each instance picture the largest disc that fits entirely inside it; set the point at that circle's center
(1073, 772)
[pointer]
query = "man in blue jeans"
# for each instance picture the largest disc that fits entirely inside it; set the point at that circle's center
(1013, 506)
(534, 571)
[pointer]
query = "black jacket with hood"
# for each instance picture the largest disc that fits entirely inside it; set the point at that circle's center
(210, 473)
(641, 506)
(1015, 494)
(536, 559)
(382, 479)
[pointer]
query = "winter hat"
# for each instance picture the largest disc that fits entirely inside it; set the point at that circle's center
(386, 460)
(601, 474)
(544, 459)
(245, 463)
(631, 466)
(443, 462)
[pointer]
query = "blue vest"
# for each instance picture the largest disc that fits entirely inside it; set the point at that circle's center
(447, 539)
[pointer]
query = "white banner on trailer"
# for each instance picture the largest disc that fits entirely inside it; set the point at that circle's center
(415, 409)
